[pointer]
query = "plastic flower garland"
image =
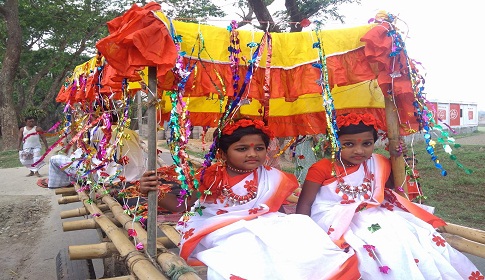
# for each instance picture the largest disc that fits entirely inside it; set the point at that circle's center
(423, 114)
(233, 126)
(355, 119)
(328, 103)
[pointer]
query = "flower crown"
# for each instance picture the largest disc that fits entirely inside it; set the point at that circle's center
(232, 126)
(355, 119)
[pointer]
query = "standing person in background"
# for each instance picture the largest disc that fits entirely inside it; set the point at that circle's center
(273, 149)
(239, 233)
(29, 145)
(304, 157)
(352, 199)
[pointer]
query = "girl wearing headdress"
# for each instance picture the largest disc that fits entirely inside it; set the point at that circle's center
(239, 233)
(351, 198)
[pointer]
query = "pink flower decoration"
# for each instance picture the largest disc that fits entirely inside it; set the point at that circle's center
(96, 215)
(384, 269)
(132, 232)
(139, 246)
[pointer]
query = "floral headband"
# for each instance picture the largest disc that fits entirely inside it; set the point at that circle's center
(232, 126)
(355, 119)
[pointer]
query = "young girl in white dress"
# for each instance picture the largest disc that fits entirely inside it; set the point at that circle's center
(239, 233)
(392, 237)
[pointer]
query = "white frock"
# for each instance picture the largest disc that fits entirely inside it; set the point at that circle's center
(249, 241)
(389, 240)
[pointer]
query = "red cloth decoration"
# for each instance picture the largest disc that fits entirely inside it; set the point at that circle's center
(137, 39)
(232, 126)
(355, 119)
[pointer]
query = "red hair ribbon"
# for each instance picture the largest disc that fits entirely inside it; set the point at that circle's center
(355, 119)
(232, 126)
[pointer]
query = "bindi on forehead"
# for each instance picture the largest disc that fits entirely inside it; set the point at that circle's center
(251, 144)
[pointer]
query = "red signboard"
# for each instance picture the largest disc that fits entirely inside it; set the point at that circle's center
(454, 114)
(442, 114)
(432, 107)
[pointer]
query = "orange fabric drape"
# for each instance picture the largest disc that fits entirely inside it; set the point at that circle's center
(138, 39)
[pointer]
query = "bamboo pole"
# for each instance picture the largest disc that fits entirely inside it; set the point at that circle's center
(466, 232)
(128, 223)
(92, 251)
(78, 212)
(137, 263)
(79, 225)
(127, 277)
(152, 163)
(169, 261)
(65, 191)
(397, 162)
(87, 223)
(68, 199)
(165, 242)
(464, 245)
(171, 233)
(166, 259)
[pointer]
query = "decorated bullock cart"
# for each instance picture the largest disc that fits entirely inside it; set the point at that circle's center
(200, 75)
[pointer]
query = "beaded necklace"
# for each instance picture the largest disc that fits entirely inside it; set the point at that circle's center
(350, 193)
(239, 170)
(252, 190)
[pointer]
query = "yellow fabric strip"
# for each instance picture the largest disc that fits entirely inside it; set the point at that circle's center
(83, 69)
(289, 49)
(352, 96)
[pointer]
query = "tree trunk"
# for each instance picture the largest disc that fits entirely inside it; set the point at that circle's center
(295, 15)
(8, 116)
(264, 16)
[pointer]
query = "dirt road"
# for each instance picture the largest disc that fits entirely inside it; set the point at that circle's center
(31, 229)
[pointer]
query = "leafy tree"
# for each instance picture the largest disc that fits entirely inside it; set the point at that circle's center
(40, 42)
(11, 47)
(191, 10)
(295, 12)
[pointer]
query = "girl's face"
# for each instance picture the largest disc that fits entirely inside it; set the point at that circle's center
(356, 148)
(246, 154)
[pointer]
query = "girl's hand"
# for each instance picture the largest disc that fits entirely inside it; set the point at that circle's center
(400, 149)
(149, 182)
(403, 148)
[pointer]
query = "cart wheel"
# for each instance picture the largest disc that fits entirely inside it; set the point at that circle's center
(114, 267)
(73, 269)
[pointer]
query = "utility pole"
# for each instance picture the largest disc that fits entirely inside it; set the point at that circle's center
(139, 112)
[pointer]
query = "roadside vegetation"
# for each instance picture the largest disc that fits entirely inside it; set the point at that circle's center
(457, 197)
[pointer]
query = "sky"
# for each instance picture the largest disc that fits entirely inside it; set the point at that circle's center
(444, 36)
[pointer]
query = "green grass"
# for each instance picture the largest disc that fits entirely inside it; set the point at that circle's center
(458, 197)
(9, 159)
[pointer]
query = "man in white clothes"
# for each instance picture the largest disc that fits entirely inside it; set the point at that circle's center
(29, 146)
